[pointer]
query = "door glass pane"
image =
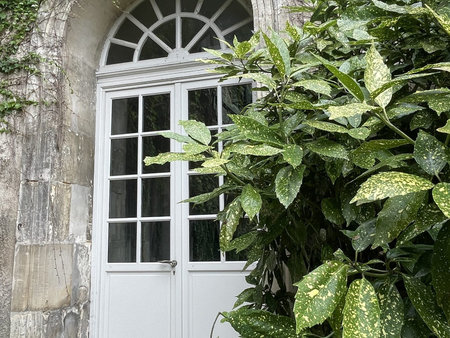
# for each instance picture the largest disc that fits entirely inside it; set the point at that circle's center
(124, 156)
(234, 99)
(200, 184)
(152, 146)
(166, 32)
(155, 241)
(190, 28)
(204, 241)
(128, 31)
(203, 106)
(188, 5)
(122, 243)
(156, 197)
(157, 112)
(122, 198)
(208, 40)
(144, 13)
(119, 54)
(210, 7)
(166, 6)
(124, 117)
(151, 50)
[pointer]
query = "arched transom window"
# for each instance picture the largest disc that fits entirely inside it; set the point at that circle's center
(174, 29)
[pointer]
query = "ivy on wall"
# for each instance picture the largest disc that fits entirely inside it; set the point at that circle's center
(17, 20)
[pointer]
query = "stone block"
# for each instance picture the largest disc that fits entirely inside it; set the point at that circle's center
(42, 277)
(79, 212)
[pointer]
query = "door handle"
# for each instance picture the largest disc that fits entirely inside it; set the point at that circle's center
(173, 263)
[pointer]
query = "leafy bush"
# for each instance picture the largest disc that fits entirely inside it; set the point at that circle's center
(342, 168)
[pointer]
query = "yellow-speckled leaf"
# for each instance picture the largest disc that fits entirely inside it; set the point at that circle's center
(317, 86)
(445, 129)
(197, 130)
(195, 148)
(443, 20)
(169, 157)
(258, 77)
(441, 195)
(361, 311)
(279, 53)
(349, 110)
(214, 162)
(293, 154)
(251, 201)
(376, 75)
(391, 306)
(328, 148)
(364, 155)
(255, 131)
(424, 302)
(390, 184)
(430, 153)
(230, 217)
(440, 269)
(288, 183)
(318, 294)
(256, 150)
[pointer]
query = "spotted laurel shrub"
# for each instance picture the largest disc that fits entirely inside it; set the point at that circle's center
(342, 168)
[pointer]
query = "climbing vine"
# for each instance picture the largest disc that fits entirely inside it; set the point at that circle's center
(17, 20)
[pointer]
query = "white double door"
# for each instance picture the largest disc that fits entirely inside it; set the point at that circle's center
(161, 272)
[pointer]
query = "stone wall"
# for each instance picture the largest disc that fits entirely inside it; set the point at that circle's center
(47, 166)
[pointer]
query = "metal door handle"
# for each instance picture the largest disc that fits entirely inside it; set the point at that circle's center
(172, 263)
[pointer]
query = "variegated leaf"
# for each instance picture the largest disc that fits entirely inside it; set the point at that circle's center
(440, 269)
(391, 306)
(441, 195)
(376, 75)
(170, 157)
(251, 201)
(349, 110)
(430, 154)
(287, 184)
(197, 130)
(328, 148)
(293, 154)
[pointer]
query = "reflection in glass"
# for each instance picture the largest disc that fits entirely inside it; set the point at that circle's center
(124, 117)
(152, 146)
(210, 7)
(119, 54)
(231, 16)
(155, 241)
(243, 228)
(124, 156)
(122, 198)
(203, 106)
(157, 112)
(204, 241)
(151, 50)
(200, 184)
(243, 33)
(156, 197)
(166, 32)
(145, 14)
(128, 31)
(122, 243)
(188, 5)
(234, 99)
(208, 40)
(166, 6)
(190, 28)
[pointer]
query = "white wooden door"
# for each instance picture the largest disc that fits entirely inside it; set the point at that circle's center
(162, 274)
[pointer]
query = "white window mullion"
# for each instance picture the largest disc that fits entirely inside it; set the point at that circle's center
(156, 9)
(178, 26)
(139, 182)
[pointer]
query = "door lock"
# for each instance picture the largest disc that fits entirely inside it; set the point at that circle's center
(173, 263)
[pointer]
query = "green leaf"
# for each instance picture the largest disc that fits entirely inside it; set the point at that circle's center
(250, 323)
(349, 110)
(287, 184)
(427, 217)
(209, 195)
(337, 316)
(259, 78)
(398, 81)
(197, 130)
(293, 154)
(195, 148)
(243, 242)
(376, 75)
(251, 201)
(328, 148)
(230, 217)
(390, 8)
(317, 86)
(441, 195)
(170, 157)
(397, 213)
(279, 53)
(391, 316)
(361, 311)
(318, 294)
(445, 129)
(438, 99)
(364, 155)
(326, 126)
(214, 162)
(219, 54)
(424, 302)
(176, 137)
(429, 153)
(256, 150)
(440, 269)
(363, 236)
(359, 133)
(255, 131)
(443, 20)
(331, 211)
(390, 184)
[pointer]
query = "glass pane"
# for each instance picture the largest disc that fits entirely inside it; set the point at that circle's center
(166, 32)
(119, 54)
(155, 241)
(152, 146)
(151, 50)
(122, 198)
(128, 31)
(124, 156)
(204, 241)
(203, 106)
(166, 6)
(210, 7)
(188, 5)
(232, 15)
(200, 184)
(124, 118)
(144, 13)
(243, 33)
(122, 243)
(234, 99)
(156, 197)
(208, 40)
(190, 28)
(157, 112)
(243, 228)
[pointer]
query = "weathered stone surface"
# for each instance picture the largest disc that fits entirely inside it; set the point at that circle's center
(81, 276)
(42, 277)
(79, 212)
